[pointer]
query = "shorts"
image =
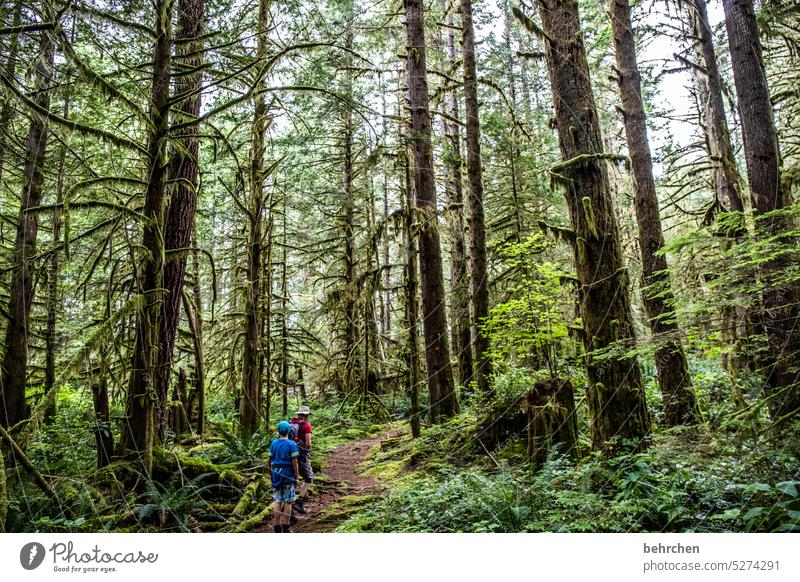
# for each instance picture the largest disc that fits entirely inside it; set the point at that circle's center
(306, 472)
(283, 494)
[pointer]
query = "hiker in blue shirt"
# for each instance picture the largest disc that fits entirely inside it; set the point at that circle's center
(283, 453)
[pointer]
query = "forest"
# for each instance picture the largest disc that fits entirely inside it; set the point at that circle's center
(533, 265)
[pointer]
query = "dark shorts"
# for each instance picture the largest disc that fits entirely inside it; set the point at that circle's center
(306, 472)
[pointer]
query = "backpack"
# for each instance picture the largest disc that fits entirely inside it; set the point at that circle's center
(294, 433)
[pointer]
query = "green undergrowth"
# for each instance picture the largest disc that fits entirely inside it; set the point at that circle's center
(218, 482)
(688, 480)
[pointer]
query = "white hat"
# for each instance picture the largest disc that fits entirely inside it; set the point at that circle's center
(303, 410)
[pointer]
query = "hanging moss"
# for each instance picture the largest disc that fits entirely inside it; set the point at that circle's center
(557, 232)
(582, 161)
(529, 24)
(582, 250)
(588, 212)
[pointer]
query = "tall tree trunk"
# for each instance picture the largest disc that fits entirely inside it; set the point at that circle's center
(461, 316)
(615, 392)
(250, 400)
(348, 222)
(53, 303)
(142, 402)
(514, 149)
(183, 171)
(479, 275)
(441, 390)
(103, 437)
(265, 399)
(411, 289)
(726, 174)
(284, 315)
(14, 372)
(680, 404)
(10, 72)
(386, 311)
(781, 301)
(197, 333)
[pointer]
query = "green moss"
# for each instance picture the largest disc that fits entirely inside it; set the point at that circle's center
(247, 497)
(254, 521)
(347, 505)
(386, 470)
(353, 433)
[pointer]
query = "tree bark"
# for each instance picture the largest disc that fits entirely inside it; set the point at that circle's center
(461, 317)
(250, 400)
(183, 172)
(441, 390)
(479, 275)
(726, 175)
(103, 437)
(514, 149)
(197, 334)
(411, 289)
(615, 392)
(53, 302)
(680, 403)
(781, 313)
(138, 433)
(551, 419)
(10, 72)
(284, 316)
(14, 372)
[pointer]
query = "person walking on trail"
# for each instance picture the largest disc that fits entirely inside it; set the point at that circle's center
(301, 433)
(283, 454)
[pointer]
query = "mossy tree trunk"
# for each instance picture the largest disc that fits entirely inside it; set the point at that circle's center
(10, 70)
(195, 318)
(53, 274)
(411, 292)
(479, 274)
(725, 173)
(615, 390)
(183, 177)
(139, 430)
(103, 437)
(550, 410)
(727, 179)
(680, 403)
(442, 396)
(460, 310)
(781, 313)
(252, 364)
(14, 368)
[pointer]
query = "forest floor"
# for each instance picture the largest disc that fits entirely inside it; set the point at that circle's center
(341, 483)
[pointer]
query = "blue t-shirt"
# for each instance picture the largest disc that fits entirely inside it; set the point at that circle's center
(282, 451)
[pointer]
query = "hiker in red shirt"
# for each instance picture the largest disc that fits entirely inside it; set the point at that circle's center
(301, 433)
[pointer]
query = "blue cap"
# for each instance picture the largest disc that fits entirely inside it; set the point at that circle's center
(283, 427)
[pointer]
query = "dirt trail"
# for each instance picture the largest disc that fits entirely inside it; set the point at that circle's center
(340, 467)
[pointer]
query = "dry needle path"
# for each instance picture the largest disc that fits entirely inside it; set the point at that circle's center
(340, 468)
